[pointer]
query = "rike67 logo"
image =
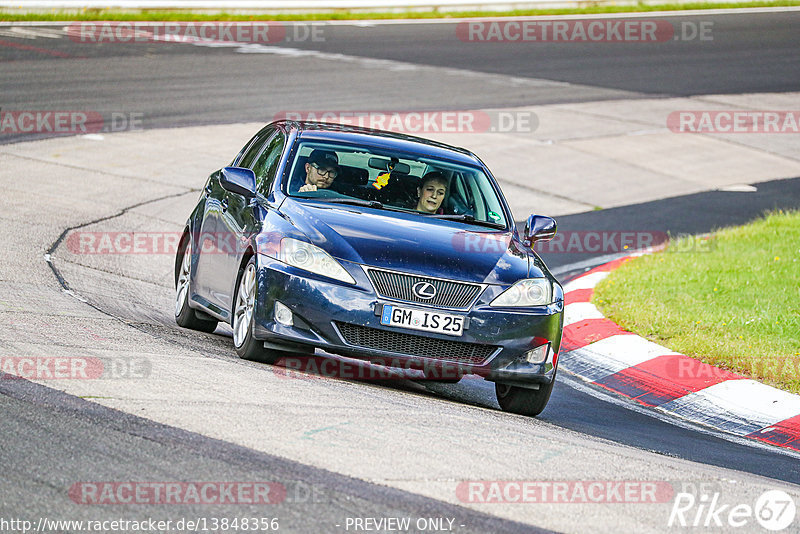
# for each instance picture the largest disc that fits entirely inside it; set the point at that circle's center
(774, 511)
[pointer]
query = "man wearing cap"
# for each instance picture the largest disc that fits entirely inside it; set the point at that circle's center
(322, 168)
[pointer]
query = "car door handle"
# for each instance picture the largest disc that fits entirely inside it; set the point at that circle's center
(224, 204)
(208, 190)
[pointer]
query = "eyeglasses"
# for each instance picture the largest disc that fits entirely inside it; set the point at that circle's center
(333, 173)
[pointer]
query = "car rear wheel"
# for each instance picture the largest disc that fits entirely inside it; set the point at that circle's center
(247, 347)
(184, 315)
(523, 401)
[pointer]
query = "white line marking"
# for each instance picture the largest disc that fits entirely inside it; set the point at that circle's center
(387, 22)
(21, 32)
(74, 295)
(739, 188)
(393, 65)
(577, 16)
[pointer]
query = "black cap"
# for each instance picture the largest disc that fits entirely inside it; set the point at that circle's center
(323, 158)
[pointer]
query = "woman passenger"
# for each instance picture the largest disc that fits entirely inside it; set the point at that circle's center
(431, 193)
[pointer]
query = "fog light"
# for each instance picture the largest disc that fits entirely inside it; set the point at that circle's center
(539, 354)
(283, 314)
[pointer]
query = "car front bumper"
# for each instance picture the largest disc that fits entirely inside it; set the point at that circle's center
(344, 319)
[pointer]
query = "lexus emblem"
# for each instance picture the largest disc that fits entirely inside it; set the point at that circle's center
(424, 290)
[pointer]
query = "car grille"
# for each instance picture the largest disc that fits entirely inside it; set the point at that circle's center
(412, 345)
(449, 294)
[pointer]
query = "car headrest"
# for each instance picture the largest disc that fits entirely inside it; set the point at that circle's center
(353, 175)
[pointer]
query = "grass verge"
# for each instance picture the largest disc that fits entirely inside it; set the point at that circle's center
(731, 300)
(178, 15)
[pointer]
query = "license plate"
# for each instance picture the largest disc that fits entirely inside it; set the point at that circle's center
(452, 325)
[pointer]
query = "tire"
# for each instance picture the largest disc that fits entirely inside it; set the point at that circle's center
(247, 347)
(523, 401)
(184, 315)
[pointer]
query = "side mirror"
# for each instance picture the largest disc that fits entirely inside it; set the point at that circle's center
(539, 228)
(238, 180)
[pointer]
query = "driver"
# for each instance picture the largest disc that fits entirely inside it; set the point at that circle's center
(322, 168)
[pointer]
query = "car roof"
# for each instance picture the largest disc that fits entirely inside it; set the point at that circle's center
(319, 131)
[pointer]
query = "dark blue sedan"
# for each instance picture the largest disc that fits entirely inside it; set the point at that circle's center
(374, 245)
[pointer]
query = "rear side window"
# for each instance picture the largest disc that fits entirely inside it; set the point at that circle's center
(252, 149)
(267, 163)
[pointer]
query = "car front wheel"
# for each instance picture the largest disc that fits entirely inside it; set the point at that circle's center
(523, 401)
(247, 347)
(184, 315)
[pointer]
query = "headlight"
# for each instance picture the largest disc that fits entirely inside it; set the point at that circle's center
(312, 258)
(528, 292)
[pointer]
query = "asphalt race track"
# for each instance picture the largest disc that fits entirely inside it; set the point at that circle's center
(342, 449)
(188, 85)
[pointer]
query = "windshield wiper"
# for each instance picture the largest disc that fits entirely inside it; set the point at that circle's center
(355, 202)
(465, 217)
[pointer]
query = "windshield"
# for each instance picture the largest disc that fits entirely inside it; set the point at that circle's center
(417, 184)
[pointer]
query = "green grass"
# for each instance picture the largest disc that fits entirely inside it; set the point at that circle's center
(178, 15)
(731, 300)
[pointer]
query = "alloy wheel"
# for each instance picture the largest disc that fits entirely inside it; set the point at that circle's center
(245, 300)
(182, 292)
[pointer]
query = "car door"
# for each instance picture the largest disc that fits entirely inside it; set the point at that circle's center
(219, 232)
(241, 218)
